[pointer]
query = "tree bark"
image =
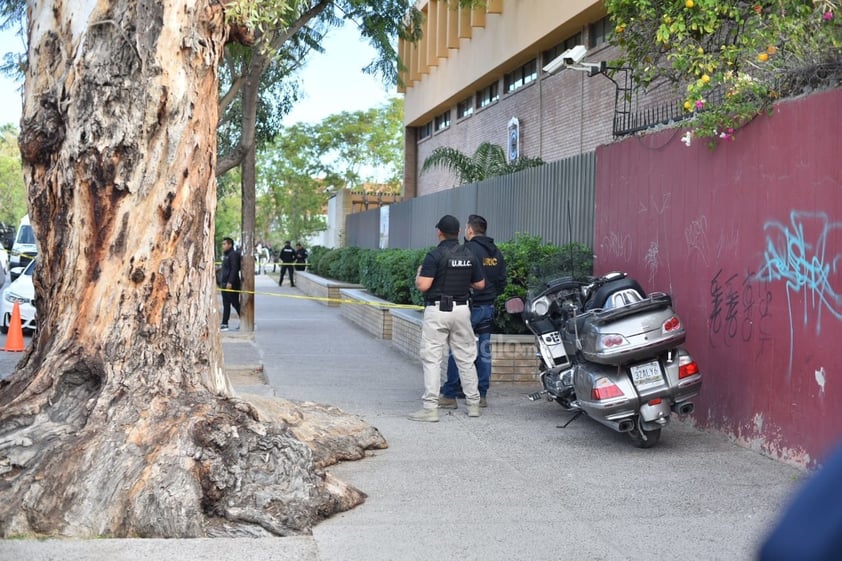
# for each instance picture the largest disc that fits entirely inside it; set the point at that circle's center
(120, 420)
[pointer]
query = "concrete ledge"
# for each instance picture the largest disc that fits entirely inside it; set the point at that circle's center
(369, 312)
(319, 287)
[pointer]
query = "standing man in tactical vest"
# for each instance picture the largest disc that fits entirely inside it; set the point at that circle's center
(482, 311)
(446, 277)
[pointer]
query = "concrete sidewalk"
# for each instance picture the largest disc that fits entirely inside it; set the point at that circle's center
(509, 485)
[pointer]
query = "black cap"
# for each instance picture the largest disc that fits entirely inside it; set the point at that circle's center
(448, 224)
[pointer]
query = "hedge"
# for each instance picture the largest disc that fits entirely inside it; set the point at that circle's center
(390, 273)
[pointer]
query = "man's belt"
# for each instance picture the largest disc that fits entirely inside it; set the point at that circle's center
(455, 303)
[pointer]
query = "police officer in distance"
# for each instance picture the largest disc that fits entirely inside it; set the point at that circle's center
(445, 277)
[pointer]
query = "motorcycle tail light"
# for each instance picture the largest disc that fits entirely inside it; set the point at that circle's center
(687, 370)
(671, 324)
(605, 389)
(609, 340)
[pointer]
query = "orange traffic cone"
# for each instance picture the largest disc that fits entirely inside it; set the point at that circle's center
(14, 340)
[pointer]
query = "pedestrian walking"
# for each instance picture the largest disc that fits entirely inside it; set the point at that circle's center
(446, 276)
(482, 312)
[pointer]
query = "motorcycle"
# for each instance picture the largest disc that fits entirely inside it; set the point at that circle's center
(611, 352)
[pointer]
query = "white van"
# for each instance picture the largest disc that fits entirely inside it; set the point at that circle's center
(24, 249)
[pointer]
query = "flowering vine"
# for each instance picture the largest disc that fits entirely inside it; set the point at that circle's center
(729, 59)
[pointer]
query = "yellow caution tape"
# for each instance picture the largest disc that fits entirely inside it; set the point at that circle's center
(325, 299)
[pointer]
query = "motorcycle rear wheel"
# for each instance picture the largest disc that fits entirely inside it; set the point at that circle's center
(652, 437)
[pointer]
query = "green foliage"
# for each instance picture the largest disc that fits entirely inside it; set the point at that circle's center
(305, 163)
(734, 58)
(291, 189)
(390, 274)
(341, 263)
(347, 266)
(528, 260)
(316, 254)
(364, 147)
(13, 193)
(228, 219)
(489, 160)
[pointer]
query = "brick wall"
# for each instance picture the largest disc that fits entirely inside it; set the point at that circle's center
(406, 331)
(560, 115)
(513, 359)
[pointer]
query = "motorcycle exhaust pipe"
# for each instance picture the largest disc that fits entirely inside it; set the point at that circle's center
(683, 408)
(626, 425)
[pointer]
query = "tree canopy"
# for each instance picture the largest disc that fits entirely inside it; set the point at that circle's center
(733, 58)
(13, 193)
(306, 163)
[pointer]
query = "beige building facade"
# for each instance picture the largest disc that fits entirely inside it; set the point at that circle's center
(477, 76)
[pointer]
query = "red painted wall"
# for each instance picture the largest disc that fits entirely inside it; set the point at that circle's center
(748, 240)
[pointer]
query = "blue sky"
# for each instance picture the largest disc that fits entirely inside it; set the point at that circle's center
(332, 81)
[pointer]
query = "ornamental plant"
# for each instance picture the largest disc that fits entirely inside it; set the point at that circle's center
(731, 59)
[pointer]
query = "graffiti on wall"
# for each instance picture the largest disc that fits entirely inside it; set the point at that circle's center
(696, 235)
(618, 246)
(798, 253)
(740, 311)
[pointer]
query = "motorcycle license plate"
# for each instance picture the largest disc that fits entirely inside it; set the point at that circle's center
(647, 374)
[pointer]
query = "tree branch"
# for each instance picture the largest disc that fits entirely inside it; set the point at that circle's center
(251, 79)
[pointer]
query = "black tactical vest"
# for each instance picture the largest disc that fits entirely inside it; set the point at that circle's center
(453, 274)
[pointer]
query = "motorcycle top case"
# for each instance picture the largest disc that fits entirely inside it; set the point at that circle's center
(631, 331)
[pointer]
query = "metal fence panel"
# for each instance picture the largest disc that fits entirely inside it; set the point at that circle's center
(362, 229)
(554, 201)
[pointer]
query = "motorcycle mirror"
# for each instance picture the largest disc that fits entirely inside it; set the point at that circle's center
(514, 305)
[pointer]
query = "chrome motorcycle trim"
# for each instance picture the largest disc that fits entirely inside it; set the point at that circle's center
(651, 413)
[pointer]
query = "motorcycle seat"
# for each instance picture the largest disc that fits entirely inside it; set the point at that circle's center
(604, 292)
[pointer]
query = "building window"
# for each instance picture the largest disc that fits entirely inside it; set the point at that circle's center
(442, 121)
(551, 54)
(520, 77)
(599, 32)
(487, 96)
(465, 108)
(425, 130)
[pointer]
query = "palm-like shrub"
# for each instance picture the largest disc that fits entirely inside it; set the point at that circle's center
(489, 160)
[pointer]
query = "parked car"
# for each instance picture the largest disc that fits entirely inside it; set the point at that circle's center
(24, 249)
(21, 291)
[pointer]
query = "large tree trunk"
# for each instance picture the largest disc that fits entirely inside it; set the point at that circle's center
(119, 420)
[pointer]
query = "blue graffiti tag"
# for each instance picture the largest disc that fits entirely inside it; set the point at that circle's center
(810, 268)
(804, 266)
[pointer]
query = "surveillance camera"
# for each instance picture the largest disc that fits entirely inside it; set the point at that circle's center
(574, 55)
(570, 57)
(555, 64)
